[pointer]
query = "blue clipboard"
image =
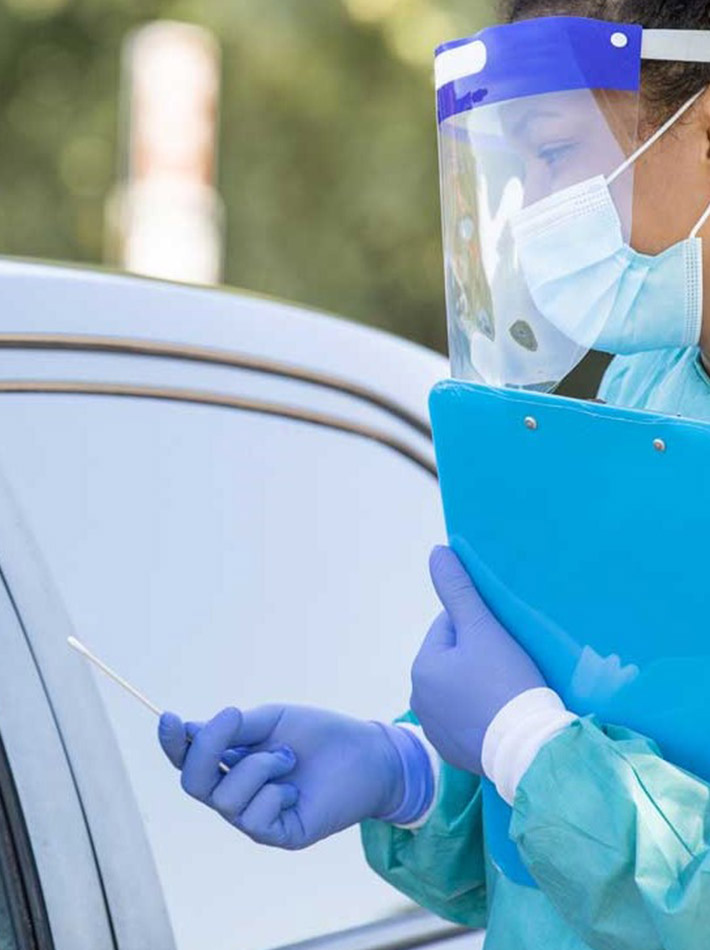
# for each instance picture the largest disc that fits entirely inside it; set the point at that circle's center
(587, 531)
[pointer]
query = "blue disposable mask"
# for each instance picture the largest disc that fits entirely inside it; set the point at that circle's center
(591, 285)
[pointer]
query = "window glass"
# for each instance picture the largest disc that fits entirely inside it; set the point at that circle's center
(216, 558)
(22, 927)
(8, 940)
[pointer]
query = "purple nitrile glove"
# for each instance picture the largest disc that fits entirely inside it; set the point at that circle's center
(299, 774)
(467, 670)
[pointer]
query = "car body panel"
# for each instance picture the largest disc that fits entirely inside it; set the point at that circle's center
(215, 554)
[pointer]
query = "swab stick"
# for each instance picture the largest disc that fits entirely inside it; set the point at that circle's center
(85, 652)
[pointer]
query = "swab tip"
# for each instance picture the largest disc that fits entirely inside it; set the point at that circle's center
(79, 647)
(87, 654)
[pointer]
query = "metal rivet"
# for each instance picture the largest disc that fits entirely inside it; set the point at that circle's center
(531, 423)
(659, 445)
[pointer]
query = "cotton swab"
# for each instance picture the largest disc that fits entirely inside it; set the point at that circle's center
(80, 648)
(85, 652)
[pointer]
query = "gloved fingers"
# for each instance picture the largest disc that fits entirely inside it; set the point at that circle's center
(201, 772)
(193, 728)
(232, 757)
(173, 738)
(258, 724)
(456, 590)
(235, 791)
(262, 819)
(441, 636)
(295, 832)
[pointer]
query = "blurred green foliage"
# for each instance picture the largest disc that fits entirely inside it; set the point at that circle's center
(328, 158)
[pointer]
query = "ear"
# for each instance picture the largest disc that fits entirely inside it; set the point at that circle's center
(702, 112)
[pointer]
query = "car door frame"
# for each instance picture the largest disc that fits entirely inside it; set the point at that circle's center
(120, 886)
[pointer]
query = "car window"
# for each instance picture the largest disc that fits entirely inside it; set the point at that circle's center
(8, 937)
(23, 923)
(216, 557)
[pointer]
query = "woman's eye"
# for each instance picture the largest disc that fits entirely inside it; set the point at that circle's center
(553, 155)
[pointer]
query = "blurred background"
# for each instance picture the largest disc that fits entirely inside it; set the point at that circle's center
(287, 146)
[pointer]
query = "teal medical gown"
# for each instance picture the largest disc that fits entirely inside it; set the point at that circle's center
(617, 839)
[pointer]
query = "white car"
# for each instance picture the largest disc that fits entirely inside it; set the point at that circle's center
(232, 501)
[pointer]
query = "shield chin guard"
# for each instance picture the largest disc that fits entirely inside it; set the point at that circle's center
(531, 115)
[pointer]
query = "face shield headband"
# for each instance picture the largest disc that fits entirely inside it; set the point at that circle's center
(554, 54)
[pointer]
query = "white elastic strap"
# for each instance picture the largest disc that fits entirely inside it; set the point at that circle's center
(677, 46)
(701, 223)
(517, 734)
(435, 763)
(666, 127)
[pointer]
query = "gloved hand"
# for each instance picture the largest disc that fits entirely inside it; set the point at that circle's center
(468, 669)
(299, 774)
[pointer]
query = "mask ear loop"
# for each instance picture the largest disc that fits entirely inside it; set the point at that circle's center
(701, 223)
(666, 127)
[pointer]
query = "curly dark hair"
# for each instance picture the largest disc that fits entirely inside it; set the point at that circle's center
(666, 86)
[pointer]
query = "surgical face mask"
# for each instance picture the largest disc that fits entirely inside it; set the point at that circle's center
(590, 284)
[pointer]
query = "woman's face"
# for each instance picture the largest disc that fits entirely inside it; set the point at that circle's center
(672, 191)
(566, 138)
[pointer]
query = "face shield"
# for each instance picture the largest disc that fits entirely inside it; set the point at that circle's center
(538, 142)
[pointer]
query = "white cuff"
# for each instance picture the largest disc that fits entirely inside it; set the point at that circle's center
(435, 763)
(517, 734)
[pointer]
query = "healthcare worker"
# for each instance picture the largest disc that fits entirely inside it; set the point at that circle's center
(599, 243)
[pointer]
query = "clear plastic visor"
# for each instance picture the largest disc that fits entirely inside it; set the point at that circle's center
(495, 162)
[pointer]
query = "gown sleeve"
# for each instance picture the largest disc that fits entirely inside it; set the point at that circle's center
(441, 865)
(618, 839)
